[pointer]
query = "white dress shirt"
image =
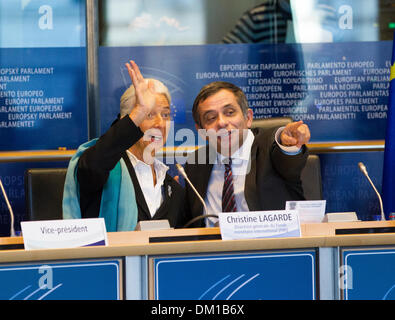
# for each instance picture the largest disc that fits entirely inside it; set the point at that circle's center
(152, 193)
(240, 168)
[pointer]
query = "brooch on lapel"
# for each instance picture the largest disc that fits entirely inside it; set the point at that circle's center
(169, 191)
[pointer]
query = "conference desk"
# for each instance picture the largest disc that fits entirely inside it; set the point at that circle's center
(197, 264)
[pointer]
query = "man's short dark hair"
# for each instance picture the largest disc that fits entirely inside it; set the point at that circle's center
(211, 89)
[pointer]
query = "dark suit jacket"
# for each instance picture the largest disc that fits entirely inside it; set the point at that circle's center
(96, 163)
(273, 179)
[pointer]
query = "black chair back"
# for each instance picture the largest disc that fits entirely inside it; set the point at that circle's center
(44, 193)
(311, 174)
(311, 178)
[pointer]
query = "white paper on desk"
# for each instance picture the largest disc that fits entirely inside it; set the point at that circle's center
(309, 210)
(69, 233)
(259, 224)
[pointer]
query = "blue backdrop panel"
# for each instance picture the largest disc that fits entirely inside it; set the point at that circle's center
(79, 280)
(345, 188)
(12, 176)
(237, 277)
(42, 98)
(339, 89)
(368, 274)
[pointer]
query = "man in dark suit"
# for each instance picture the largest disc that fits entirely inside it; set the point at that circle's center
(141, 130)
(265, 165)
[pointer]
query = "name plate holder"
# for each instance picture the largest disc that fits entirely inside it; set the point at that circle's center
(69, 233)
(259, 224)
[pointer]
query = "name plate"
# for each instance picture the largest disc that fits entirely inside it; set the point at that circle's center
(259, 224)
(70, 233)
(309, 210)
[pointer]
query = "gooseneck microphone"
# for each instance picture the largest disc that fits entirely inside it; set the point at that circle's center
(12, 230)
(365, 172)
(184, 174)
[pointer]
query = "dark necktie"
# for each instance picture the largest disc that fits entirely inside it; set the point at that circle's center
(228, 196)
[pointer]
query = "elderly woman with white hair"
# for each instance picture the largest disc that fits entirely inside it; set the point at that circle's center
(140, 189)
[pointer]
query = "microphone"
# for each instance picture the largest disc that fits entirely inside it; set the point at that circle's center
(12, 230)
(184, 174)
(365, 172)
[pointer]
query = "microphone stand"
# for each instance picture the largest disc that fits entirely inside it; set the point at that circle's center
(184, 174)
(365, 172)
(12, 230)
